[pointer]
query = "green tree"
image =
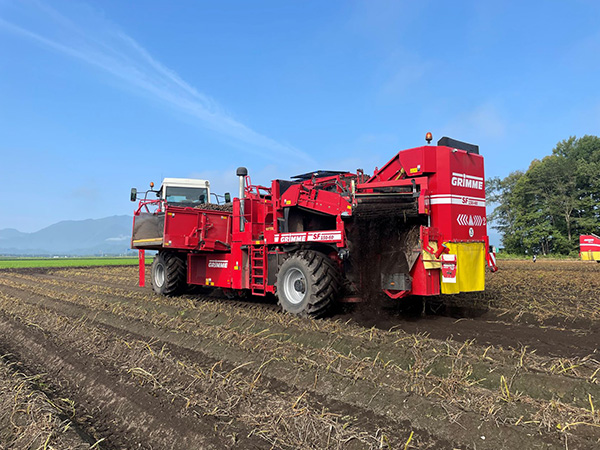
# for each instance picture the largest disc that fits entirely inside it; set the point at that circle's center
(501, 192)
(545, 209)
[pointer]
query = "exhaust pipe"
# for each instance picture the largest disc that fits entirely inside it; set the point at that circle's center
(242, 172)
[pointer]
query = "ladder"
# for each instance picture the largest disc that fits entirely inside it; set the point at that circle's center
(258, 270)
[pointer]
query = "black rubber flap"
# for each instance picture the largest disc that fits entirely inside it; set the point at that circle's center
(453, 143)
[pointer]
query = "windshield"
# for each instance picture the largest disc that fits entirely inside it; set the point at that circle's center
(189, 196)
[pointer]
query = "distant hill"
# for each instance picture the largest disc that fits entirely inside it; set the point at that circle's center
(108, 236)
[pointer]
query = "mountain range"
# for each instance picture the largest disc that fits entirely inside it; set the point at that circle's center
(107, 236)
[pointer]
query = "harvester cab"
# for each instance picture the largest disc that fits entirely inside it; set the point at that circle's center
(185, 191)
(177, 191)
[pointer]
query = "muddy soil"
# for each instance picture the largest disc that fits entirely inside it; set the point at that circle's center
(123, 368)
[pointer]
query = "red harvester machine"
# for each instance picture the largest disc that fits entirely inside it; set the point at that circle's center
(589, 247)
(417, 226)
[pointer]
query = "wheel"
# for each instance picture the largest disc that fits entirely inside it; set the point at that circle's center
(168, 273)
(307, 284)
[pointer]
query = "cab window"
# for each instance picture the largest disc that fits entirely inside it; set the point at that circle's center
(186, 196)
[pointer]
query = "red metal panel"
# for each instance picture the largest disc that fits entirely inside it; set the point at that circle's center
(589, 243)
(212, 269)
(453, 191)
(197, 229)
(142, 266)
(196, 268)
(308, 196)
(424, 281)
(457, 195)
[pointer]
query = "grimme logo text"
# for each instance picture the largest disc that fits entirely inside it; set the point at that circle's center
(468, 181)
(217, 263)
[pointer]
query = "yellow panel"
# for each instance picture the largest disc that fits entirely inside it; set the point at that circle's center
(590, 256)
(429, 260)
(470, 267)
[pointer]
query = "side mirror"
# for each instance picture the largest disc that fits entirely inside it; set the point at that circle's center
(133, 194)
(227, 197)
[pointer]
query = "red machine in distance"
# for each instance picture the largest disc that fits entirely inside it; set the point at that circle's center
(417, 226)
(589, 247)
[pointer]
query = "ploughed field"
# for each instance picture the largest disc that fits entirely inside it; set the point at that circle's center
(91, 360)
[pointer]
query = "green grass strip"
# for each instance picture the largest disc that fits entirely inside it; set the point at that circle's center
(17, 263)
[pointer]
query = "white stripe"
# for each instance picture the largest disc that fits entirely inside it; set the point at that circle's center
(458, 200)
(473, 177)
(482, 199)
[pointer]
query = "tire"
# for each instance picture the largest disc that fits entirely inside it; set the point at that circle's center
(168, 273)
(308, 284)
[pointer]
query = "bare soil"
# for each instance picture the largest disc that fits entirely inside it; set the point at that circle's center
(92, 360)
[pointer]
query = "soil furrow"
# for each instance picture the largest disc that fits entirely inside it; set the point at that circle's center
(349, 392)
(487, 329)
(124, 414)
(353, 422)
(511, 363)
(514, 367)
(28, 418)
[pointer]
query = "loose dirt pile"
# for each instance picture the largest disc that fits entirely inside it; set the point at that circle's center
(121, 367)
(380, 245)
(214, 207)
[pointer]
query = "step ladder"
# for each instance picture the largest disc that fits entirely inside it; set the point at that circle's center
(258, 270)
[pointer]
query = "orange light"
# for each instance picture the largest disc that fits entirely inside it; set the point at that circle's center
(428, 137)
(151, 185)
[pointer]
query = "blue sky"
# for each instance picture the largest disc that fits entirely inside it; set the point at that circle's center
(100, 96)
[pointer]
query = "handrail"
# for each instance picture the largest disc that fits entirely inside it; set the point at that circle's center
(249, 187)
(144, 204)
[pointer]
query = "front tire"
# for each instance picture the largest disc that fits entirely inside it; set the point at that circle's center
(168, 273)
(308, 284)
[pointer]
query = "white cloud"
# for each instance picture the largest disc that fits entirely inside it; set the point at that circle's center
(118, 238)
(384, 20)
(483, 123)
(102, 45)
(401, 71)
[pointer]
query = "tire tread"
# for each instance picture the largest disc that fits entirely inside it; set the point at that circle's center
(326, 281)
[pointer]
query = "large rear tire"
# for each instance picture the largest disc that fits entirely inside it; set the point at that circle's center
(168, 273)
(308, 284)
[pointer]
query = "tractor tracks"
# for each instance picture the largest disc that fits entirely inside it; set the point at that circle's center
(485, 326)
(201, 372)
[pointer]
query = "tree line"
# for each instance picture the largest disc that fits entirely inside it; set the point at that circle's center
(546, 208)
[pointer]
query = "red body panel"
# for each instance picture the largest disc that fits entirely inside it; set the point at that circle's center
(425, 282)
(589, 247)
(457, 196)
(214, 269)
(589, 243)
(197, 229)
